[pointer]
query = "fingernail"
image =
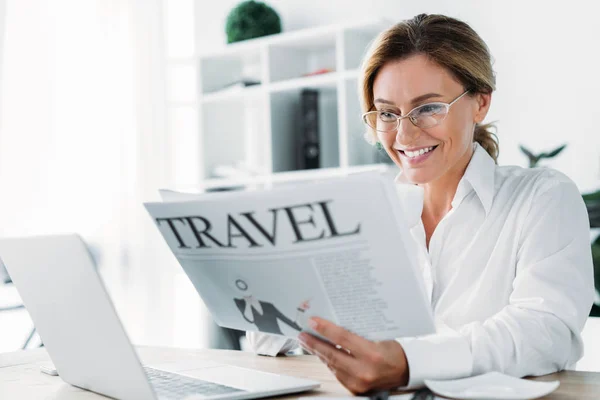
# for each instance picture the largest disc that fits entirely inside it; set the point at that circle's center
(312, 323)
(302, 338)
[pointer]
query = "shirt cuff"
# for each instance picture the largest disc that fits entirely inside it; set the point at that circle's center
(270, 345)
(436, 357)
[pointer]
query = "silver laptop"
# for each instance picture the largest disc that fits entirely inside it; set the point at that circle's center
(57, 280)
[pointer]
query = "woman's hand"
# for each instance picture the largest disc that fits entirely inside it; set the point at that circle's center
(359, 364)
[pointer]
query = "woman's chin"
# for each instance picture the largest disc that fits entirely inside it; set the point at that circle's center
(416, 177)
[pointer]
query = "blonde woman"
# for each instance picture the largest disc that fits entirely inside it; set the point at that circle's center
(504, 251)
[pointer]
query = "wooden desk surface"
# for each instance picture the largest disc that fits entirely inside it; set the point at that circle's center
(20, 377)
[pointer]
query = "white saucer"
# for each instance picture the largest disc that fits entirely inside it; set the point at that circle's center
(492, 386)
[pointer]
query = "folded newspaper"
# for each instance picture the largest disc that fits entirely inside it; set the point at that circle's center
(268, 260)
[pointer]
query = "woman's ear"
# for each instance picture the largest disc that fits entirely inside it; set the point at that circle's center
(483, 105)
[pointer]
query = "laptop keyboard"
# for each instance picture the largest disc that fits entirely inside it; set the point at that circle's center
(169, 385)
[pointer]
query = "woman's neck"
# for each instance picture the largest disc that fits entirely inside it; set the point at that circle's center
(438, 195)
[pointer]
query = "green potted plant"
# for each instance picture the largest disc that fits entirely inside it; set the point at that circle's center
(535, 159)
(251, 19)
(592, 202)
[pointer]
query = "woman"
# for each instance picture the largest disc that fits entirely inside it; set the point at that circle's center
(504, 251)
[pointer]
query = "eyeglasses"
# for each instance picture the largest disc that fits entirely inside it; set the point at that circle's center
(424, 116)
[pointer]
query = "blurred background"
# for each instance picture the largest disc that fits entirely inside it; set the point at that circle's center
(103, 102)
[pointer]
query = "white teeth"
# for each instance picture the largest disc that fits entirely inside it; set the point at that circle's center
(412, 154)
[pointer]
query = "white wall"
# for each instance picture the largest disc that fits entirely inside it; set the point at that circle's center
(547, 61)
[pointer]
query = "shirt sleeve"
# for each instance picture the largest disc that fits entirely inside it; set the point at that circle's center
(270, 345)
(539, 330)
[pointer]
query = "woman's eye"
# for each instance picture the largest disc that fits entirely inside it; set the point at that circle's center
(429, 109)
(387, 116)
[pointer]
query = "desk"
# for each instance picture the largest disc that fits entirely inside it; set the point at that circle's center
(20, 377)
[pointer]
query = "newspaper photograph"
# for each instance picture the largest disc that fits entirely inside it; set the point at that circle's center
(269, 260)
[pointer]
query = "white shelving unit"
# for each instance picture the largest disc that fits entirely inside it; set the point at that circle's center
(257, 126)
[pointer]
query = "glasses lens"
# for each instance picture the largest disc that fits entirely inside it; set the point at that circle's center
(429, 115)
(381, 121)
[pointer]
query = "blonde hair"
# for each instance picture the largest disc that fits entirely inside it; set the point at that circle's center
(450, 43)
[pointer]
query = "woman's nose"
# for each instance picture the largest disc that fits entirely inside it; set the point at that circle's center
(407, 133)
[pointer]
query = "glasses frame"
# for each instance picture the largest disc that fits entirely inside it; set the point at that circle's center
(401, 117)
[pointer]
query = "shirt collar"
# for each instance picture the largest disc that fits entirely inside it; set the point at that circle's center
(479, 175)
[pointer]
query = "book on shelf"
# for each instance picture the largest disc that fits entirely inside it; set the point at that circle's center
(308, 149)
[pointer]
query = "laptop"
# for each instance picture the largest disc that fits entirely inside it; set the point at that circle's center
(57, 280)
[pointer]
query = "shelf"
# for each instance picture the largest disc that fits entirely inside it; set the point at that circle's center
(323, 80)
(292, 38)
(324, 36)
(352, 74)
(232, 94)
(317, 81)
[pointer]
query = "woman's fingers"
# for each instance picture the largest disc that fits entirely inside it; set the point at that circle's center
(339, 360)
(357, 345)
(306, 349)
(359, 364)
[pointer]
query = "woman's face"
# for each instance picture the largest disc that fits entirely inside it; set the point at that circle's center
(403, 85)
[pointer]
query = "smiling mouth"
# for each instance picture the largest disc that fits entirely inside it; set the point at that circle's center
(415, 154)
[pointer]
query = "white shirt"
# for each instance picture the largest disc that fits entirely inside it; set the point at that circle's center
(509, 273)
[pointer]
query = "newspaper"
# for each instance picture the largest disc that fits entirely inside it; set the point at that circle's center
(269, 260)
